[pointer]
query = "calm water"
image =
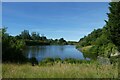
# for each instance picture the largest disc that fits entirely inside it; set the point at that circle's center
(53, 51)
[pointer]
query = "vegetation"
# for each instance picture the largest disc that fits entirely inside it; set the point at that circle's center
(113, 23)
(72, 42)
(34, 61)
(12, 48)
(106, 41)
(60, 41)
(57, 70)
(52, 61)
(36, 39)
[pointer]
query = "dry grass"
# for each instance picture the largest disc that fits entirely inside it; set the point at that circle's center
(86, 48)
(59, 71)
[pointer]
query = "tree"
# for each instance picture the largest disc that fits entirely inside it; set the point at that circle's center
(11, 48)
(62, 41)
(44, 38)
(25, 34)
(38, 36)
(113, 23)
(91, 38)
(33, 35)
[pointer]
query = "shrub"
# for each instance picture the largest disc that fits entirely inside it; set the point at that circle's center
(57, 60)
(47, 61)
(33, 61)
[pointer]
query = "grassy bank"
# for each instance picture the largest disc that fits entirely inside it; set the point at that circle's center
(59, 70)
(93, 52)
(88, 51)
(84, 49)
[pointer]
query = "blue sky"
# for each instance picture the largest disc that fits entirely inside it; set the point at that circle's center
(71, 21)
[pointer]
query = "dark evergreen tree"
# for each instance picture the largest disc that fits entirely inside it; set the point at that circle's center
(113, 23)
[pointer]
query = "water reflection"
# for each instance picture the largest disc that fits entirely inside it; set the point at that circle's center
(53, 51)
(89, 56)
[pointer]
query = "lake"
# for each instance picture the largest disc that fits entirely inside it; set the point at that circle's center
(53, 51)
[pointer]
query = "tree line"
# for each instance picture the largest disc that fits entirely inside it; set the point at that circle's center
(13, 46)
(35, 39)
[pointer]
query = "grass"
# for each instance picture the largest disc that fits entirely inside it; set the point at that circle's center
(87, 52)
(0, 71)
(59, 70)
(86, 48)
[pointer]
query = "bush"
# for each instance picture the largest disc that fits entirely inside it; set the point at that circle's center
(47, 61)
(33, 61)
(50, 61)
(12, 49)
(75, 61)
(57, 60)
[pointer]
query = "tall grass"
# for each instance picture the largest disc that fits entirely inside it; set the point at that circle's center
(0, 71)
(59, 70)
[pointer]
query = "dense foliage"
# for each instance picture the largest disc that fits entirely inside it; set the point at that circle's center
(51, 61)
(91, 38)
(106, 41)
(12, 48)
(35, 39)
(113, 23)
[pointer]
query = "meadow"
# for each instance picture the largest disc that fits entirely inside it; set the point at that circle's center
(59, 70)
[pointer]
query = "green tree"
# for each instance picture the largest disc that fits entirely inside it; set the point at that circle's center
(25, 35)
(114, 23)
(62, 41)
(91, 38)
(38, 36)
(11, 48)
(44, 38)
(102, 40)
(33, 35)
